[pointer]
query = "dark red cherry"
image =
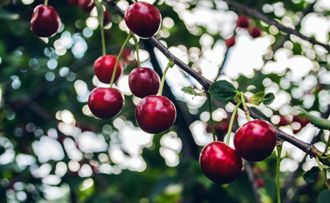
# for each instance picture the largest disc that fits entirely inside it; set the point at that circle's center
(230, 42)
(284, 121)
(155, 114)
(300, 119)
(73, 2)
(86, 5)
(104, 67)
(105, 102)
(220, 128)
(106, 18)
(255, 140)
(143, 19)
(243, 22)
(220, 163)
(45, 21)
(143, 82)
(255, 32)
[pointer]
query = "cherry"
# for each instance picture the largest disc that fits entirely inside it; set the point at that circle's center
(45, 21)
(230, 42)
(104, 67)
(86, 5)
(300, 119)
(284, 121)
(155, 114)
(73, 2)
(243, 22)
(220, 128)
(106, 18)
(143, 19)
(260, 182)
(105, 102)
(143, 82)
(255, 140)
(255, 32)
(220, 163)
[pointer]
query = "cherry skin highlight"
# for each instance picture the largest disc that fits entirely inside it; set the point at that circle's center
(220, 163)
(143, 19)
(105, 102)
(45, 21)
(143, 82)
(104, 67)
(255, 140)
(155, 114)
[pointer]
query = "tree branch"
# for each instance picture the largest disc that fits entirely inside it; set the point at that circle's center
(250, 175)
(262, 17)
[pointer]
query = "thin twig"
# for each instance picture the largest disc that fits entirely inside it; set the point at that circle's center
(250, 175)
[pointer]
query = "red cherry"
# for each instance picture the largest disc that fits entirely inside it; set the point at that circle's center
(73, 2)
(105, 102)
(106, 18)
(220, 128)
(155, 114)
(260, 182)
(255, 140)
(220, 163)
(243, 22)
(143, 19)
(300, 119)
(104, 67)
(284, 121)
(45, 21)
(255, 32)
(86, 5)
(230, 42)
(143, 82)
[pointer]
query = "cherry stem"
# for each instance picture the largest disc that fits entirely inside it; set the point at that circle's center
(102, 35)
(211, 117)
(246, 110)
(278, 162)
(118, 58)
(46, 2)
(137, 47)
(170, 64)
(231, 123)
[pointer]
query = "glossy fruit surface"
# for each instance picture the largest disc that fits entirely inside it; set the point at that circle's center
(155, 114)
(105, 102)
(255, 32)
(230, 42)
(143, 19)
(86, 5)
(255, 140)
(220, 163)
(104, 67)
(45, 21)
(143, 82)
(243, 22)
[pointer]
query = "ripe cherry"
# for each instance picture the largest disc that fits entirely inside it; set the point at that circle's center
(105, 102)
(300, 119)
(255, 32)
(220, 128)
(230, 42)
(106, 18)
(73, 2)
(143, 82)
(155, 114)
(243, 22)
(86, 5)
(143, 19)
(104, 67)
(220, 163)
(45, 21)
(255, 140)
(284, 121)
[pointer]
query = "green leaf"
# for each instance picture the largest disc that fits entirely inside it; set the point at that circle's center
(7, 15)
(324, 196)
(317, 121)
(268, 98)
(223, 90)
(311, 175)
(192, 91)
(256, 98)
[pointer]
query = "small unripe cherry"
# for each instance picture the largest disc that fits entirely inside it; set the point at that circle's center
(230, 42)
(143, 19)
(220, 163)
(105, 102)
(255, 140)
(243, 22)
(155, 114)
(255, 32)
(45, 21)
(104, 67)
(143, 82)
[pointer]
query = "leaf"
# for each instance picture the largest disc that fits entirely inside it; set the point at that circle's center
(317, 121)
(324, 196)
(311, 175)
(268, 98)
(256, 98)
(192, 91)
(223, 90)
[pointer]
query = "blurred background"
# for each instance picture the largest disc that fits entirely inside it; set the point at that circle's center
(52, 149)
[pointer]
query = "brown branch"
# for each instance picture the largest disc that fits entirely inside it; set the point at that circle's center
(262, 17)
(250, 175)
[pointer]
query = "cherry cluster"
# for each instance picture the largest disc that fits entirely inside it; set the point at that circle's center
(244, 22)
